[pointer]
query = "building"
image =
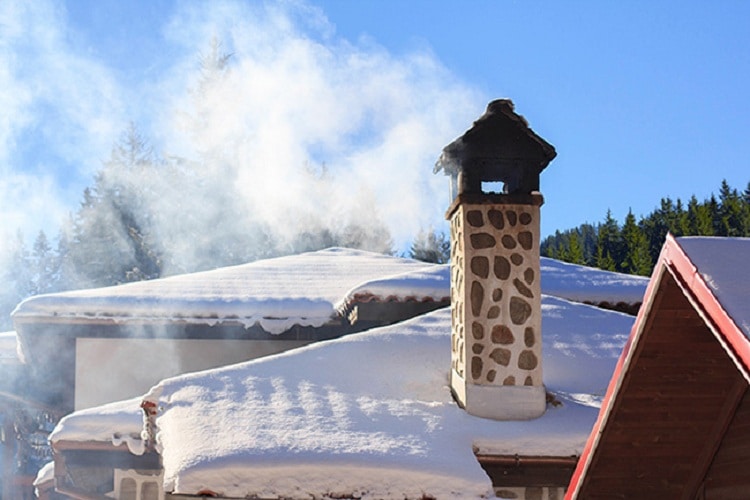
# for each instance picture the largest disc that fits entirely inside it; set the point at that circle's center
(674, 423)
(368, 415)
(449, 404)
(89, 347)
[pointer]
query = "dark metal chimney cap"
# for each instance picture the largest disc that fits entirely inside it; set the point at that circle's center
(500, 146)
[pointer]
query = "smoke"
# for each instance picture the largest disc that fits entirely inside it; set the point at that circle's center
(60, 111)
(300, 131)
(295, 97)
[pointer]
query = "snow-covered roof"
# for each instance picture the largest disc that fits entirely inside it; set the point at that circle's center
(429, 283)
(369, 414)
(45, 475)
(276, 293)
(587, 284)
(723, 264)
(303, 290)
(116, 423)
(560, 279)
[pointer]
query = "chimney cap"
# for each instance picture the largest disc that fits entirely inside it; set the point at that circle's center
(500, 146)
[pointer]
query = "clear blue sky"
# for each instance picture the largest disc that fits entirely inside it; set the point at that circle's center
(641, 99)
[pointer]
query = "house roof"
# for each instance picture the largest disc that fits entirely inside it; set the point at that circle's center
(421, 285)
(276, 293)
(369, 414)
(590, 285)
(683, 373)
(722, 264)
(305, 290)
(560, 279)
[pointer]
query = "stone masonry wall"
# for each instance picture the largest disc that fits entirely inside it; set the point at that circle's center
(496, 295)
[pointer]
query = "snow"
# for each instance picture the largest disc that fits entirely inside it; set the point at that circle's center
(45, 474)
(723, 264)
(276, 293)
(301, 290)
(115, 423)
(371, 414)
(588, 284)
(367, 415)
(8, 347)
(433, 283)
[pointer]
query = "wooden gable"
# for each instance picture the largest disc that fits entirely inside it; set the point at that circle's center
(676, 419)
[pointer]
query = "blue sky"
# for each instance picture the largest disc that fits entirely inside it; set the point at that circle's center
(641, 99)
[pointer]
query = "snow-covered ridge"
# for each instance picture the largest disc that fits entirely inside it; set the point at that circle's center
(306, 290)
(590, 285)
(277, 293)
(728, 277)
(429, 283)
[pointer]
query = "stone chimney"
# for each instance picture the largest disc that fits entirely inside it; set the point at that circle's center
(496, 353)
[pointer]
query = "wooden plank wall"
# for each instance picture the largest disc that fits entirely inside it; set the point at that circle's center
(728, 476)
(671, 411)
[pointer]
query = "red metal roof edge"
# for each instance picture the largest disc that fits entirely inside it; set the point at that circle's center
(673, 257)
(736, 340)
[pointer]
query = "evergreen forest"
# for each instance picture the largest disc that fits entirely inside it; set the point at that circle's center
(633, 246)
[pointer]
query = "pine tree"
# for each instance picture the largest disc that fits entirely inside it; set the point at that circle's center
(604, 260)
(609, 244)
(575, 249)
(679, 224)
(589, 240)
(699, 219)
(15, 273)
(657, 225)
(731, 218)
(65, 278)
(110, 242)
(21, 268)
(431, 246)
(637, 259)
(43, 265)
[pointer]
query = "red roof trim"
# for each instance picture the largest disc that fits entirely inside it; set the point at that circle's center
(693, 280)
(673, 257)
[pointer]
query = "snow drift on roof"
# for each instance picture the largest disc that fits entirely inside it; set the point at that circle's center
(370, 414)
(724, 264)
(45, 475)
(430, 283)
(588, 284)
(116, 423)
(277, 293)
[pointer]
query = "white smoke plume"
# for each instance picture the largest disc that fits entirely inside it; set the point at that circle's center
(60, 110)
(296, 96)
(301, 129)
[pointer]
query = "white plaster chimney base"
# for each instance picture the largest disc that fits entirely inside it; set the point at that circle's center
(499, 402)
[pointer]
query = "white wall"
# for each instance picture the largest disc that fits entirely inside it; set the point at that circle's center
(110, 370)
